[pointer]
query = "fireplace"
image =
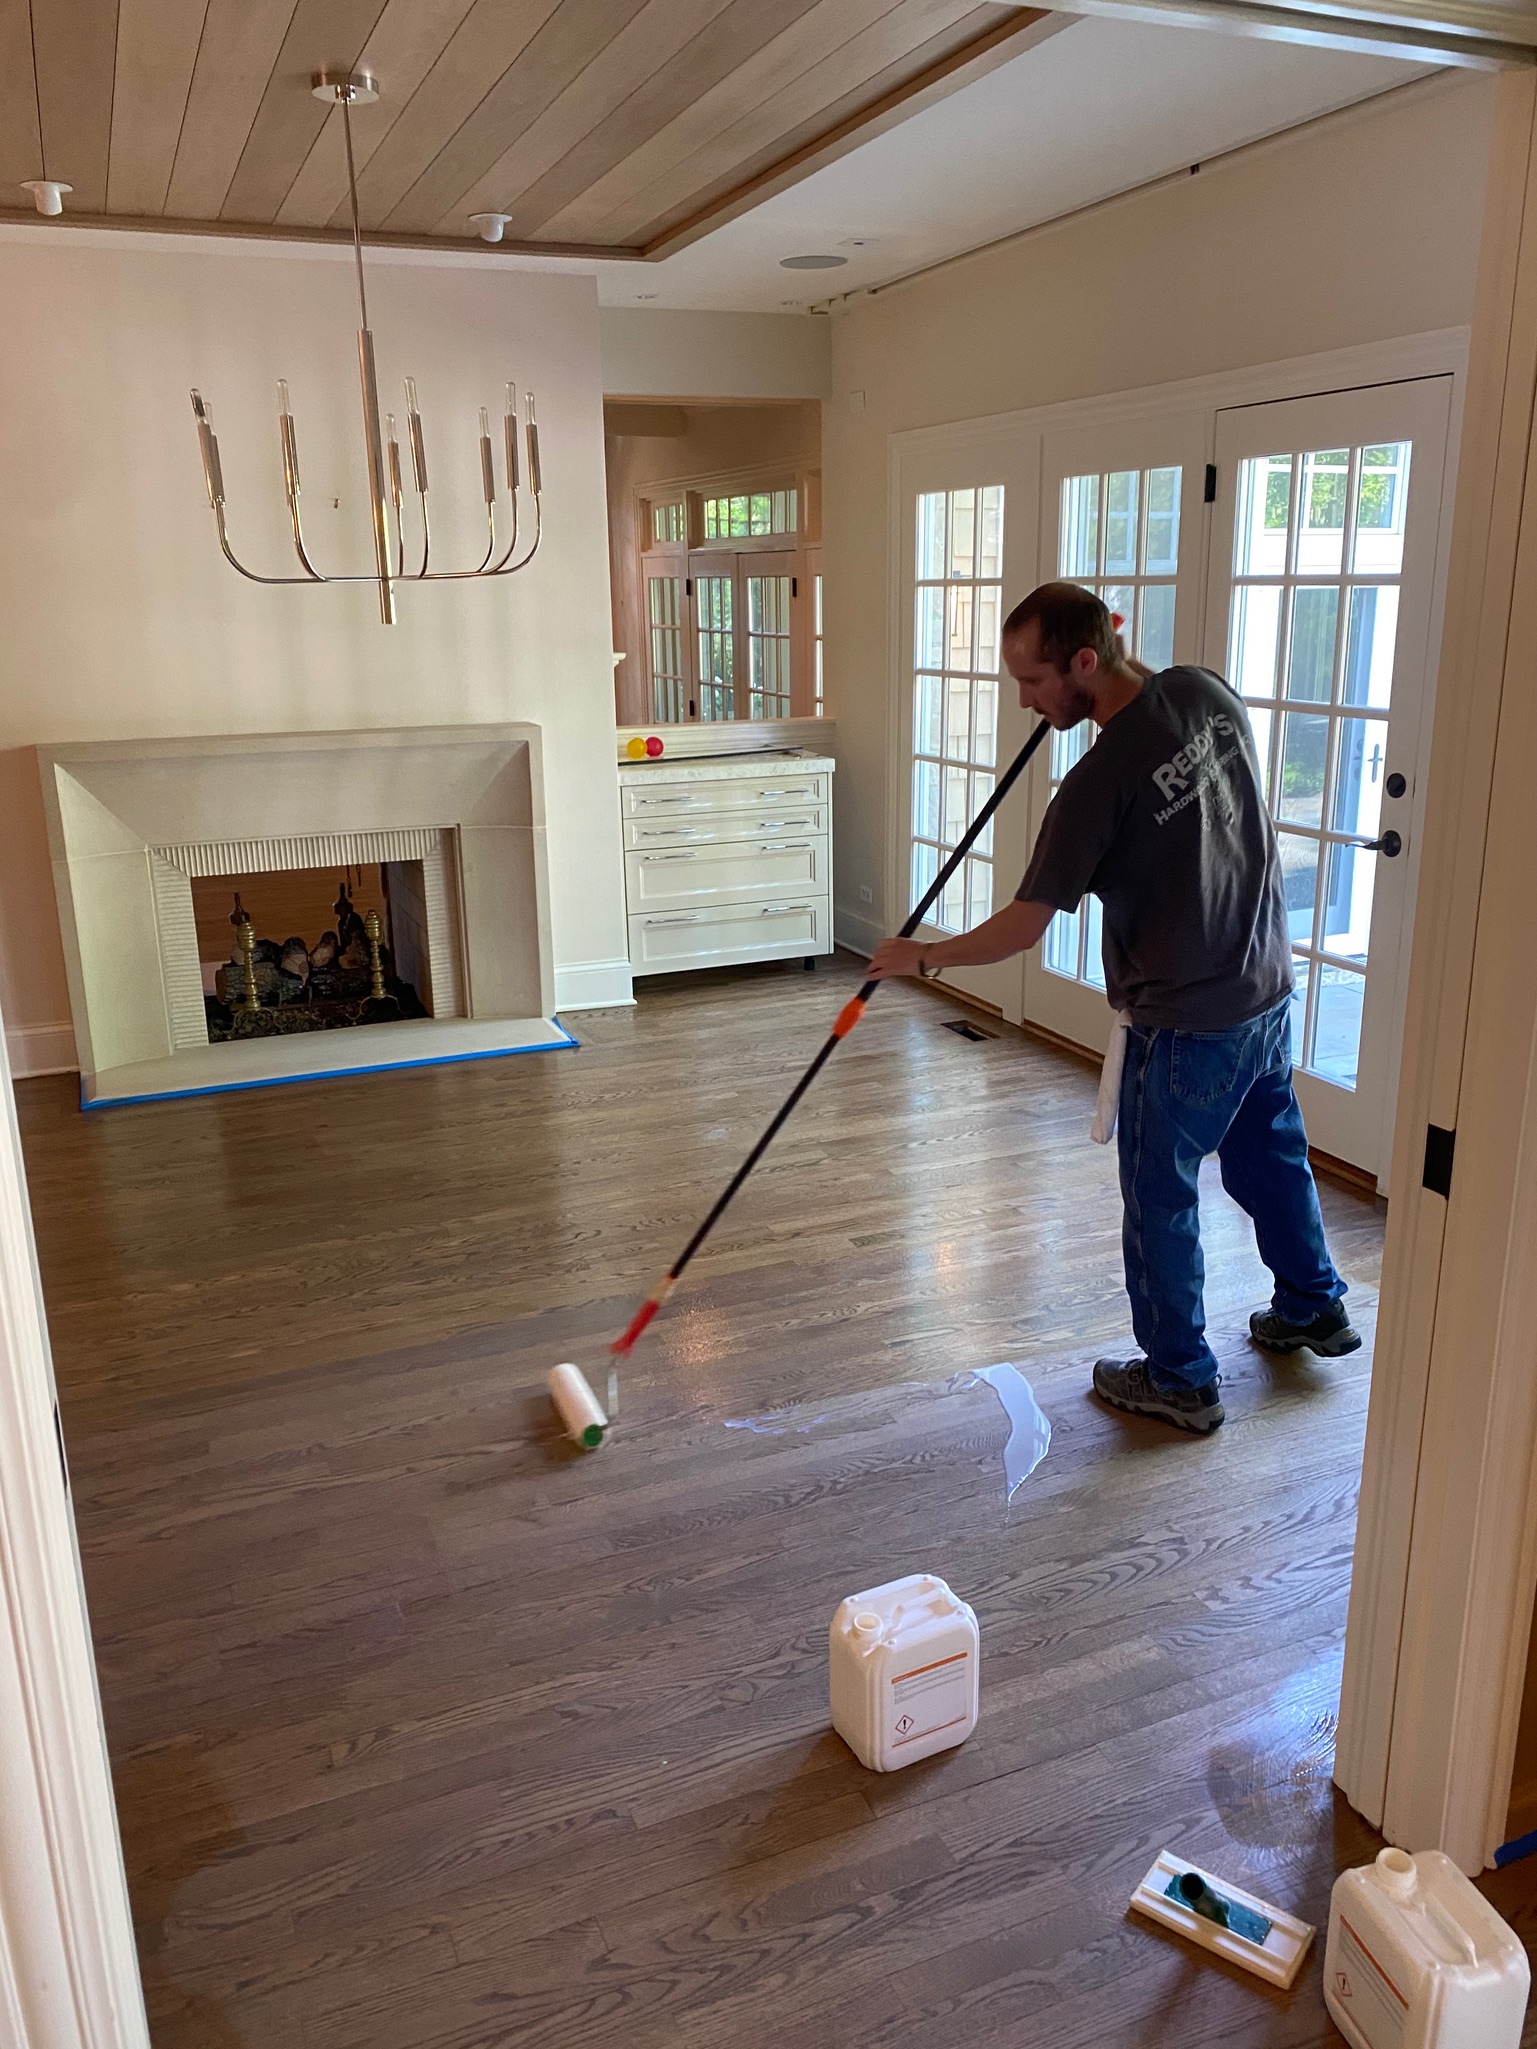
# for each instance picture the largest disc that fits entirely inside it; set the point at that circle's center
(406, 868)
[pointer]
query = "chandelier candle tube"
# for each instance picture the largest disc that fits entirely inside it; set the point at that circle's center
(487, 466)
(533, 443)
(577, 1406)
(213, 469)
(510, 436)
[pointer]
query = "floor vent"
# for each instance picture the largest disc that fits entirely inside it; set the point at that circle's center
(963, 1028)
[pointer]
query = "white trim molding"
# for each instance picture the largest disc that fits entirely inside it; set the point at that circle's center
(594, 985)
(41, 1049)
(69, 1976)
(1446, 1548)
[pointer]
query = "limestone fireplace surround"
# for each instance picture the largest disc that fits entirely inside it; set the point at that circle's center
(131, 822)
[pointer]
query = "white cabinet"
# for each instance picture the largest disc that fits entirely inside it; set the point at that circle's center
(726, 860)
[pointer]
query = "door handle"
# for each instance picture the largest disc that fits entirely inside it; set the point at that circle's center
(1389, 844)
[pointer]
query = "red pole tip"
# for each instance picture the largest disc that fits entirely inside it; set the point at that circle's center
(638, 1322)
(848, 1017)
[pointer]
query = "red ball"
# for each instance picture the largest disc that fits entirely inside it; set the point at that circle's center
(653, 746)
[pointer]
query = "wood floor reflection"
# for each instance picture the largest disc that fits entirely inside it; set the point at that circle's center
(430, 1732)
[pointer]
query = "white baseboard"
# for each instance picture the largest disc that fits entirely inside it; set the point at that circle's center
(41, 1049)
(593, 985)
(857, 932)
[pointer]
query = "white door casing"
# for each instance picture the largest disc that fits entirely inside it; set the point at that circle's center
(68, 1972)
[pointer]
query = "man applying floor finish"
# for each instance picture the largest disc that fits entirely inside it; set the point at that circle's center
(1164, 820)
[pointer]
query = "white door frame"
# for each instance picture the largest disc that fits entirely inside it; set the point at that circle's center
(69, 1976)
(1446, 1542)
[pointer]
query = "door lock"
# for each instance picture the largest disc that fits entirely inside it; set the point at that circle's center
(1396, 784)
(1389, 844)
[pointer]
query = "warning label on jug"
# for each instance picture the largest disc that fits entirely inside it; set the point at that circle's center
(932, 1698)
(1366, 1992)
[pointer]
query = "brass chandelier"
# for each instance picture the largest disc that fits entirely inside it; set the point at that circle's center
(385, 488)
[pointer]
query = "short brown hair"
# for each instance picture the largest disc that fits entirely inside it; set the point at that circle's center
(1068, 617)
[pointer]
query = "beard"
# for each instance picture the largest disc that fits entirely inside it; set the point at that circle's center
(1077, 705)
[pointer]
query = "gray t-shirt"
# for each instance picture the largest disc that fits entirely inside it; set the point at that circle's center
(1165, 822)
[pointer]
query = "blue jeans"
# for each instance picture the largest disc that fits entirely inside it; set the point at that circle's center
(1184, 1095)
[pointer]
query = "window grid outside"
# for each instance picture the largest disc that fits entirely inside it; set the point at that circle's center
(667, 523)
(748, 514)
(768, 646)
(665, 605)
(1317, 566)
(957, 615)
(717, 682)
(1119, 536)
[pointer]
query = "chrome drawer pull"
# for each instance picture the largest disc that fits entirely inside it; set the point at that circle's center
(783, 910)
(650, 860)
(689, 918)
(798, 792)
(784, 824)
(787, 847)
(650, 803)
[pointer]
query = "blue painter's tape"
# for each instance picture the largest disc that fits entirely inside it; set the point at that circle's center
(273, 1081)
(1513, 1851)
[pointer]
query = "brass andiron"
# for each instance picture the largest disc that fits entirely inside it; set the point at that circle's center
(245, 939)
(373, 926)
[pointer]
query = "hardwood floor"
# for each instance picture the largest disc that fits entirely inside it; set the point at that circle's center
(432, 1733)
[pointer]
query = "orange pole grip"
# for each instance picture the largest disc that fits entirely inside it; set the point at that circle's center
(849, 1016)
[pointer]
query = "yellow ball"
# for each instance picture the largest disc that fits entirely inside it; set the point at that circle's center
(636, 750)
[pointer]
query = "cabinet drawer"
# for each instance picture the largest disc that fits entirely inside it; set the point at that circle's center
(746, 793)
(685, 877)
(725, 933)
(799, 821)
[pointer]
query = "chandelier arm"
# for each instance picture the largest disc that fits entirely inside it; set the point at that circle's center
(421, 574)
(511, 569)
(255, 576)
(511, 548)
(484, 575)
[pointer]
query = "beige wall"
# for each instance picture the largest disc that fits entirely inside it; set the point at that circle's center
(654, 352)
(1359, 229)
(718, 440)
(121, 621)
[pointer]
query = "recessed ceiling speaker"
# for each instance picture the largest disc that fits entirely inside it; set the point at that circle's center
(812, 262)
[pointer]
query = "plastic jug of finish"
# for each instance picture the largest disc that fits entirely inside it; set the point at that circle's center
(1418, 1959)
(903, 1668)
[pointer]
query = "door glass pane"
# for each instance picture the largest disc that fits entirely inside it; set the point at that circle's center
(931, 535)
(990, 539)
(1094, 943)
(1337, 1028)
(1299, 878)
(926, 800)
(1261, 723)
(963, 533)
(1351, 878)
(984, 740)
(1255, 639)
(953, 821)
(958, 718)
(979, 892)
(1302, 969)
(1121, 523)
(1078, 548)
(1384, 490)
(1264, 498)
(1162, 532)
(927, 707)
(929, 627)
(981, 790)
(1310, 665)
(951, 909)
(1068, 747)
(1321, 534)
(1157, 633)
(925, 869)
(1061, 948)
(959, 625)
(1358, 777)
(1371, 638)
(1304, 755)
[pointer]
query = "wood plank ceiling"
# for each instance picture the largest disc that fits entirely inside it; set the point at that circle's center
(614, 127)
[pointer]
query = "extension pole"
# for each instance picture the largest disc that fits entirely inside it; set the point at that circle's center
(848, 1017)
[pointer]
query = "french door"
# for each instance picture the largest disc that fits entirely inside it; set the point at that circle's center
(1122, 512)
(746, 608)
(1319, 603)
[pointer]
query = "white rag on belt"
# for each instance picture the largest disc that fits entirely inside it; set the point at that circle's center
(1102, 1130)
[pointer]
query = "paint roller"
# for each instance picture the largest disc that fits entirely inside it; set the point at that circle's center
(843, 1025)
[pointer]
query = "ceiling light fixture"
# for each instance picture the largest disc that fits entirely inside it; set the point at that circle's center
(812, 262)
(491, 225)
(386, 496)
(47, 193)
